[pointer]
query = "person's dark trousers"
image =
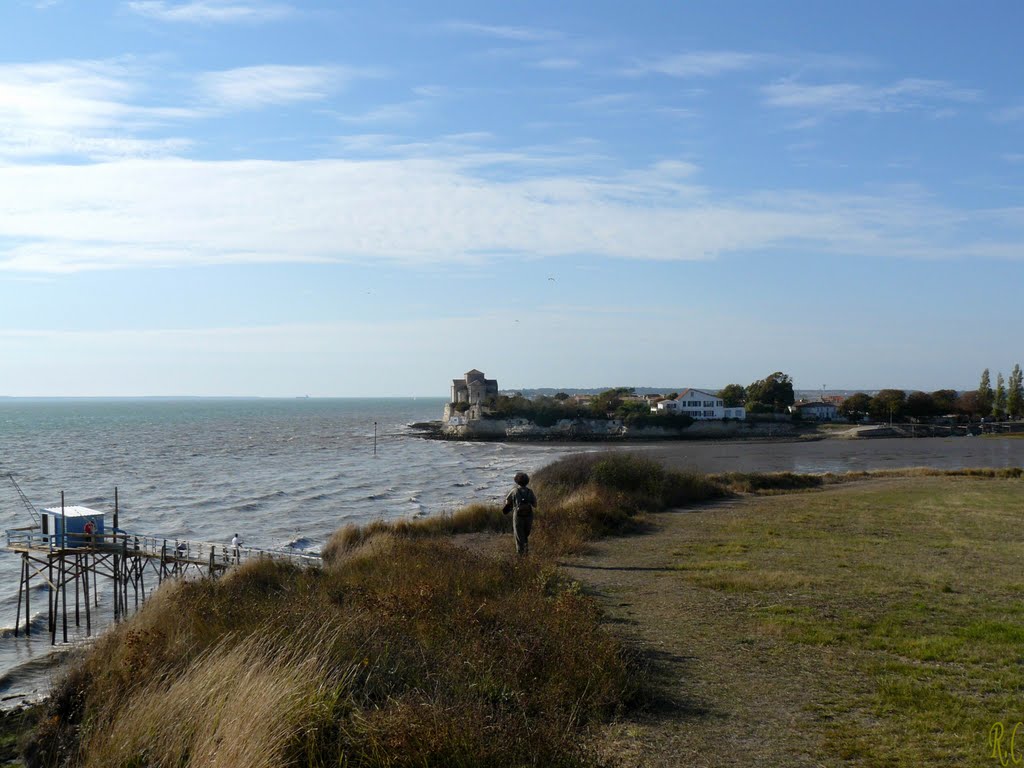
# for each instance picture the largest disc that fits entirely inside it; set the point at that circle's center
(521, 525)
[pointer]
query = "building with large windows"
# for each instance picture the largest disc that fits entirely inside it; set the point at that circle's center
(700, 406)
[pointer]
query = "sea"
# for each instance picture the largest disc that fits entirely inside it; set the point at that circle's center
(281, 473)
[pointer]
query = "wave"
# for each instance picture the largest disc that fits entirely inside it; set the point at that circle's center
(33, 675)
(38, 625)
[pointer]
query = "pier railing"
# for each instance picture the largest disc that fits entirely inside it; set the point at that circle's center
(164, 548)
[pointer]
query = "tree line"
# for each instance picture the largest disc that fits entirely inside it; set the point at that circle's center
(1005, 400)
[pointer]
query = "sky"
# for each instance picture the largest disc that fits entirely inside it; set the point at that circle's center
(290, 197)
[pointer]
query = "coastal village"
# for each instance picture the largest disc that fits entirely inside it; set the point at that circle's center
(770, 407)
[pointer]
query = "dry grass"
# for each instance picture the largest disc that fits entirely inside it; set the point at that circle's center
(408, 652)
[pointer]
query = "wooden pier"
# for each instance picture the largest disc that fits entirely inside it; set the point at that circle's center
(81, 564)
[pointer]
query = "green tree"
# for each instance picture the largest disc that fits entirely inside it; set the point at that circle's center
(631, 408)
(1015, 393)
(921, 406)
(888, 405)
(772, 393)
(734, 395)
(985, 394)
(945, 401)
(609, 401)
(999, 399)
(855, 407)
(967, 404)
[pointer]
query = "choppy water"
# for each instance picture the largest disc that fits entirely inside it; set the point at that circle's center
(282, 473)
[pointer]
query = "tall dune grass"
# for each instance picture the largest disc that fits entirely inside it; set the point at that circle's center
(412, 652)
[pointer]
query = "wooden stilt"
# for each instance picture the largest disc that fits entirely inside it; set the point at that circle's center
(28, 589)
(51, 611)
(64, 594)
(21, 586)
(85, 586)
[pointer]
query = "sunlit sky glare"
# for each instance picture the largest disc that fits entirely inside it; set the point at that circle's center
(278, 198)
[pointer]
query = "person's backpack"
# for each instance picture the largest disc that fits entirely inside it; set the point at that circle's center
(524, 505)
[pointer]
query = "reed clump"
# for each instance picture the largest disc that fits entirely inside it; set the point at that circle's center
(408, 653)
(473, 518)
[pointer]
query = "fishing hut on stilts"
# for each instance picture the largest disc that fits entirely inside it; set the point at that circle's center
(71, 550)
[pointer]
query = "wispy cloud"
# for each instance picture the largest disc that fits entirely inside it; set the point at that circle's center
(556, 63)
(903, 95)
(78, 107)
(698, 64)
(518, 34)
(606, 100)
(211, 11)
(399, 112)
(433, 210)
(260, 86)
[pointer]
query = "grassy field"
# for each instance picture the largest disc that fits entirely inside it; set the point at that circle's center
(871, 623)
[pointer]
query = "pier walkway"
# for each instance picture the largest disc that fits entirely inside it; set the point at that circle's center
(83, 562)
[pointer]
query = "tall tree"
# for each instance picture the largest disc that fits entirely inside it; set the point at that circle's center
(888, 405)
(920, 406)
(985, 394)
(855, 407)
(945, 401)
(772, 393)
(1015, 393)
(733, 394)
(999, 399)
(967, 404)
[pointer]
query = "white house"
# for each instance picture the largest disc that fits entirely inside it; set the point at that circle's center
(700, 406)
(816, 411)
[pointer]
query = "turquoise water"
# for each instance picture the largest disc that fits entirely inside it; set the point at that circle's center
(282, 473)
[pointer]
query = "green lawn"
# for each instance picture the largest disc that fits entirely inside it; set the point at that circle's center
(911, 593)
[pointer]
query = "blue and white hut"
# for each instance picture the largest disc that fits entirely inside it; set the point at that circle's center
(64, 527)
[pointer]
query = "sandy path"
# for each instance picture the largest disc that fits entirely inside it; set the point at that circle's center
(732, 695)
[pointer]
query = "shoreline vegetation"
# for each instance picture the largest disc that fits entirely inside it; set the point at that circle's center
(419, 645)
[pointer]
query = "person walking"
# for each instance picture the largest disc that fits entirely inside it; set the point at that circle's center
(522, 503)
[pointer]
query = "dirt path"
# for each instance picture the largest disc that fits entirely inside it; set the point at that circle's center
(732, 694)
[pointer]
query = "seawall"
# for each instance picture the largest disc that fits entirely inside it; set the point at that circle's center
(604, 429)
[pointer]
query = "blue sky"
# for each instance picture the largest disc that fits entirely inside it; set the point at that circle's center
(264, 197)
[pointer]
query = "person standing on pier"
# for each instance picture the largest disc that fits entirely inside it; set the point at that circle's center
(521, 502)
(236, 547)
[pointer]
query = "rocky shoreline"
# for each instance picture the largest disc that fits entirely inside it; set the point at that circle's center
(610, 430)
